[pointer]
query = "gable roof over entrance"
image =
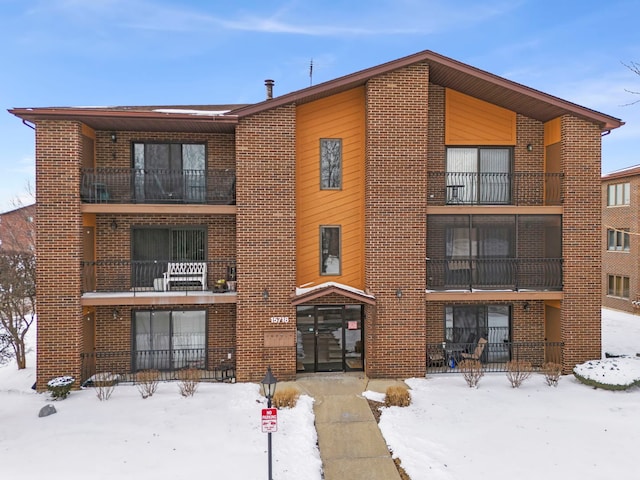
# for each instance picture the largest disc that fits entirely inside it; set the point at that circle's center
(304, 295)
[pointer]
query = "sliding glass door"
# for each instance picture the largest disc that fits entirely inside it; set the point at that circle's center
(169, 339)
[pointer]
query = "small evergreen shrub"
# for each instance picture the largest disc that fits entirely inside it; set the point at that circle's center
(397, 396)
(518, 371)
(552, 372)
(285, 398)
(471, 371)
(188, 381)
(60, 387)
(147, 382)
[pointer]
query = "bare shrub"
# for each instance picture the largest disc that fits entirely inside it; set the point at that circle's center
(188, 381)
(471, 371)
(552, 372)
(518, 371)
(285, 398)
(147, 382)
(397, 396)
(105, 383)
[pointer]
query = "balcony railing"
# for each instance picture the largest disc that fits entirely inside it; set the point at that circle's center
(495, 273)
(113, 276)
(133, 185)
(495, 355)
(469, 188)
(215, 364)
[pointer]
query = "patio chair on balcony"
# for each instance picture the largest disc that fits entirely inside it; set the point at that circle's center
(477, 352)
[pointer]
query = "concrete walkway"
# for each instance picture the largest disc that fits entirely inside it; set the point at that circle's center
(350, 442)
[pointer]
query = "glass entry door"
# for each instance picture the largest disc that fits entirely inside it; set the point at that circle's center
(329, 338)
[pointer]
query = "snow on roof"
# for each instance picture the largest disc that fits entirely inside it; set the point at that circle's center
(302, 291)
(192, 112)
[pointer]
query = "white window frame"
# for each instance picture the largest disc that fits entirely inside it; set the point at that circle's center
(618, 240)
(618, 286)
(618, 194)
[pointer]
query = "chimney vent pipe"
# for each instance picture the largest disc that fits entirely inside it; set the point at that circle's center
(269, 85)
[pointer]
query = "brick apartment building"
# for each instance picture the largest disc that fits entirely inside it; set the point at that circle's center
(18, 229)
(375, 222)
(620, 248)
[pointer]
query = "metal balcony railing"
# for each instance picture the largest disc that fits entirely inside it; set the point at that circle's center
(133, 185)
(214, 364)
(444, 357)
(114, 276)
(470, 188)
(495, 273)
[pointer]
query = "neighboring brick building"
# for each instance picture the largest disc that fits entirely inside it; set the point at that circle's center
(620, 247)
(18, 230)
(373, 222)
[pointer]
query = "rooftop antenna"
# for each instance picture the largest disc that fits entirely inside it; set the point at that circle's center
(311, 72)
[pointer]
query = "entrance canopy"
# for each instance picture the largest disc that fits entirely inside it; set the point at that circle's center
(306, 294)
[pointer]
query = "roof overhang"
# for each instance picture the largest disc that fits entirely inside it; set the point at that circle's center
(452, 74)
(121, 119)
(304, 295)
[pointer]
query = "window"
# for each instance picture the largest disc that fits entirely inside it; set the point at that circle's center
(466, 324)
(479, 175)
(169, 339)
(330, 163)
(330, 250)
(170, 172)
(618, 286)
(619, 194)
(618, 239)
(152, 248)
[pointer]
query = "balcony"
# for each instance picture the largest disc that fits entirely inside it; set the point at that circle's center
(537, 274)
(215, 364)
(495, 355)
(472, 188)
(147, 278)
(140, 186)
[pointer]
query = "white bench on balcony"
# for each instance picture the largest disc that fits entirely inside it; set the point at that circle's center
(185, 272)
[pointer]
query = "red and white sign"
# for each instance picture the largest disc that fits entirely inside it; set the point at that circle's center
(269, 420)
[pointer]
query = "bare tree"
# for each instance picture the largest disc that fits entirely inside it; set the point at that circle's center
(635, 68)
(6, 352)
(17, 281)
(17, 300)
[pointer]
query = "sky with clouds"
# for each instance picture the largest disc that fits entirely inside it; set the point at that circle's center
(161, 52)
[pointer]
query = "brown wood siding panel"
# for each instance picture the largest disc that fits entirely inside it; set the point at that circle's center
(552, 131)
(338, 116)
(470, 121)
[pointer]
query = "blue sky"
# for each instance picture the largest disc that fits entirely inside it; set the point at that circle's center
(160, 52)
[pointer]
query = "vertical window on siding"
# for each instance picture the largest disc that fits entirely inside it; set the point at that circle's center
(330, 262)
(330, 163)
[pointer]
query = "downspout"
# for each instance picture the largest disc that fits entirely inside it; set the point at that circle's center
(30, 126)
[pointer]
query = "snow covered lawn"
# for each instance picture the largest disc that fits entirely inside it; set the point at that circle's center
(449, 432)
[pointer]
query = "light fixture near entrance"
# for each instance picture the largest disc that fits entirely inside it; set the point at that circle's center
(399, 293)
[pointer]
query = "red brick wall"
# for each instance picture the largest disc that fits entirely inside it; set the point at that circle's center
(115, 334)
(220, 147)
(582, 237)
(59, 240)
(266, 244)
(116, 244)
(396, 182)
(18, 230)
(621, 262)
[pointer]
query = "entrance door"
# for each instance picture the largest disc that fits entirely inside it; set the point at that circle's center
(329, 338)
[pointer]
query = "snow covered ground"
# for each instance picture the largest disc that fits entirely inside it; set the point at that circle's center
(449, 432)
